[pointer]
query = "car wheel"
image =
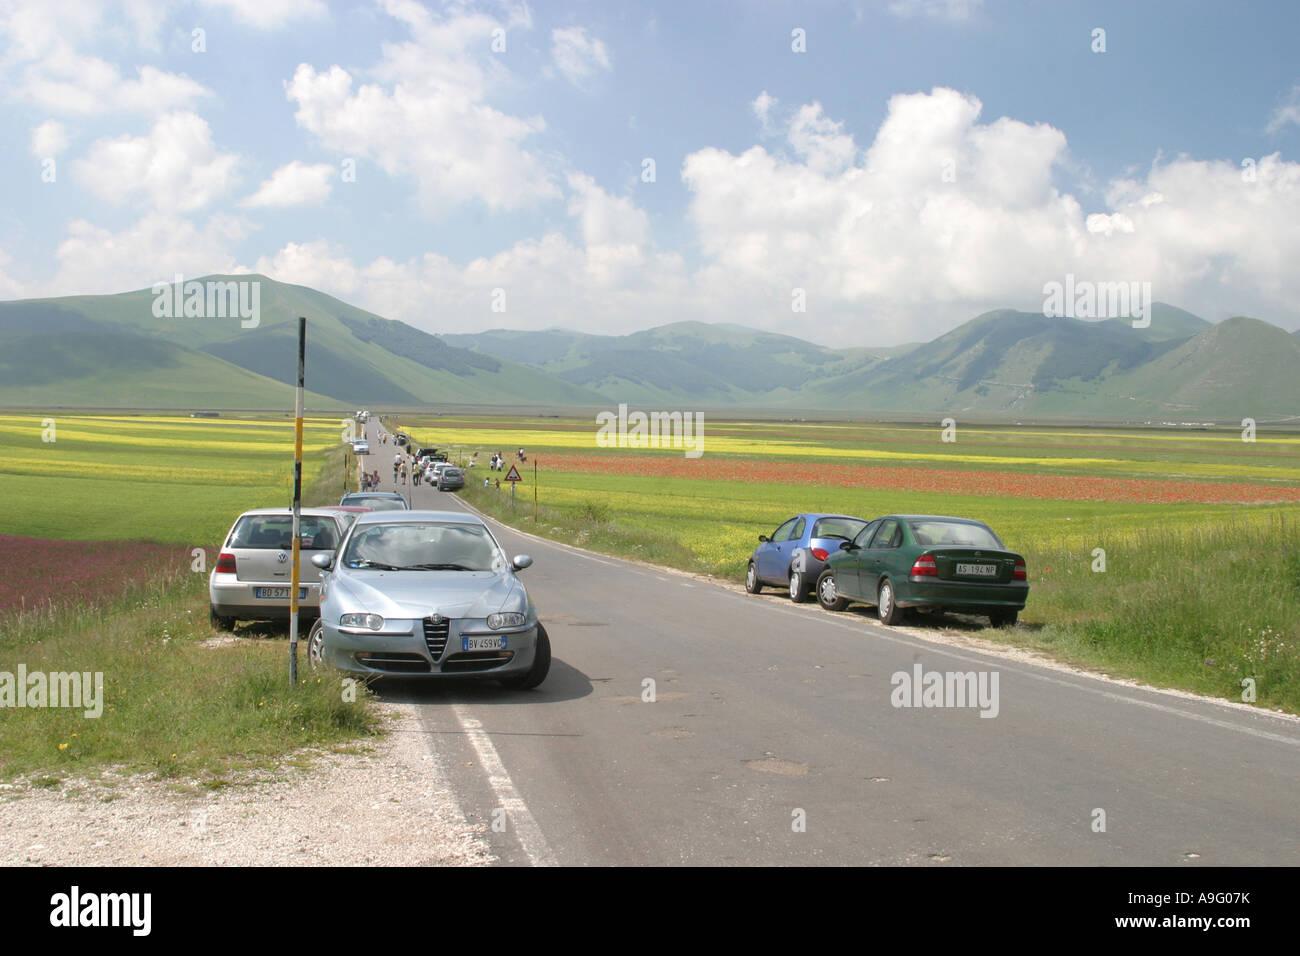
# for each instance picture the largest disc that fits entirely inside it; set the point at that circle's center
(798, 587)
(1003, 618)
(890, 612)
(221, 622)
(316, 646)
(752, 584)
(541, 665)
(827, 595)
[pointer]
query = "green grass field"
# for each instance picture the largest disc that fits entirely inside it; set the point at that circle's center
(177, 703)
(1195, 594)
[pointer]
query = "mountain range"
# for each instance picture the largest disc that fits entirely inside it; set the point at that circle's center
(115, 351)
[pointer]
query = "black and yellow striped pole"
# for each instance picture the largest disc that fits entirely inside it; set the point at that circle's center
(297, 501)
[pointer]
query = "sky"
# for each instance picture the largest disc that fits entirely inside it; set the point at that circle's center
(861, 173)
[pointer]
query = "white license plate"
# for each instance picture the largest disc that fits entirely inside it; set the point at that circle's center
(281, 594)
(978, 570)
(482, 643)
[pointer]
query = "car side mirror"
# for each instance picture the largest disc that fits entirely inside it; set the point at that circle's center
(521, 561)
(763, 538)
(847, 546)
(323, 561)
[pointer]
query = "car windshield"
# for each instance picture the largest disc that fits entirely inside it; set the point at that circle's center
(956, 533)
(846, 528)
(423, 546)
(276, 531)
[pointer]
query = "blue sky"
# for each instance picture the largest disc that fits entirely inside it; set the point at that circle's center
(776, 170)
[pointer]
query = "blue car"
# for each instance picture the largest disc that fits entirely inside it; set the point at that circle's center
(796, 552)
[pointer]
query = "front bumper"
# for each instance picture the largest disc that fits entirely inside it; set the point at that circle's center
(405, 649)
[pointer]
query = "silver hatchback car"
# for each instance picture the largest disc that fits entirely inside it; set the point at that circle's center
(252, 578)
(427, 594)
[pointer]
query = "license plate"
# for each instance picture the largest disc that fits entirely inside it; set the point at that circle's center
(482, 643)
(281, 594)
(978, 570)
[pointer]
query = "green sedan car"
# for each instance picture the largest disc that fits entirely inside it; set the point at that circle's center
(926, 561)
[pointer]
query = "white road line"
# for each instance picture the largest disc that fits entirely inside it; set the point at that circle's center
(528, 832)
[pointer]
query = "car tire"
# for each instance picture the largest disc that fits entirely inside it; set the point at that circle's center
(541, 665)
(827, 594)
(316, 646)
(887, 605)
(798, 587)
(752, 584)
(1004, 618)
(221, 622)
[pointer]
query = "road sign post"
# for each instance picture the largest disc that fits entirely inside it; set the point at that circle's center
(513, 477)
(297, 502)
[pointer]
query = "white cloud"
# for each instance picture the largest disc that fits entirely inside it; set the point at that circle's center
(943, 217)
(174, 167)
(294, 184)
(49, 139)
(93, 260)
(271, 14)
(936, 9)
(43, 62)
(428, 117)
(578, 55)
(1286, 112)
(762, 106)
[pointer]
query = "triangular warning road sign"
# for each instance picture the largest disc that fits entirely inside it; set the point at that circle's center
(513, 475)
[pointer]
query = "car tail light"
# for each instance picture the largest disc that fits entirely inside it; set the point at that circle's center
(226, 563)
(1021, 574)
(925, 565)
(820, 553)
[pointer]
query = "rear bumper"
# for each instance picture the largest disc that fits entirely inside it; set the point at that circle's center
(234, 598)
(959, 595)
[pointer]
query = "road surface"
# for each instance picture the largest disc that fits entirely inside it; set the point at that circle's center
(772, 739)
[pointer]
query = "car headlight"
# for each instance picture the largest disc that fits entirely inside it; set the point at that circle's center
(372, 621)
(506, 619)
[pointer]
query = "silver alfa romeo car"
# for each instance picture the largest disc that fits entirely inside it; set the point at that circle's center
(427, 594)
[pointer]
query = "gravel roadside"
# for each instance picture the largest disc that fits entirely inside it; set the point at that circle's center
(390, 807)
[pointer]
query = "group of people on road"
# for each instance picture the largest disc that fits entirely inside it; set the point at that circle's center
(369, 480)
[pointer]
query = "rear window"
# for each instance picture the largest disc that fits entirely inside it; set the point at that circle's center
(451, 472)
(959, 534)
(276, 531)
(846, 528)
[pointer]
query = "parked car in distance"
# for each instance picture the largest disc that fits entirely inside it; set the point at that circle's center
(796, 552)
(451, 478)
(346, 513)
(375, 500)
(428, 594)
(932, 562)
(253, 575)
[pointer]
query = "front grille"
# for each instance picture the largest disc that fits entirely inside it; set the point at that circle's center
(435, 635)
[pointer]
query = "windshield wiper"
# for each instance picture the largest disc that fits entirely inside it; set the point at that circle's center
(436, 567)
(363, 563)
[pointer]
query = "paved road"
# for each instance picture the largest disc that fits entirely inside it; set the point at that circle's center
(766, 712)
